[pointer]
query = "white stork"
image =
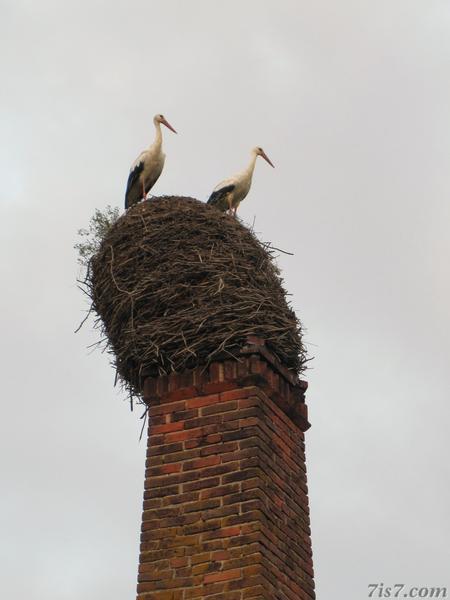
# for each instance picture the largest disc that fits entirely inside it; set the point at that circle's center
(147, 167)
(228, 194)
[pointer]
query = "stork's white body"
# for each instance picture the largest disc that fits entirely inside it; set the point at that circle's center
(229, 193)
(153, 159)
(147, 168)
(241, 182)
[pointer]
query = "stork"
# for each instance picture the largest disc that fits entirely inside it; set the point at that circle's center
(147, 167)
(228, 194)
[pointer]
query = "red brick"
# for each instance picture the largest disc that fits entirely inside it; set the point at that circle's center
(248, 422)
(162, 409)
(218, 448)
(201, 484)
(219, 408)
(184, 392)
(215, 387)
(199, 463)
(220, 490)
(224, 532)
(179, 561)
(181, 436)
(163, 469)
(166, 428)
(223, 576)
(235, 394)
(202, 401)
(220, 555)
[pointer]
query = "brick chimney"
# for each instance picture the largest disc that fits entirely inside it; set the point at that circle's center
(225, 512)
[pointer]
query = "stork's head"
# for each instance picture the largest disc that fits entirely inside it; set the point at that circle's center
(161, 119)
(260, 152)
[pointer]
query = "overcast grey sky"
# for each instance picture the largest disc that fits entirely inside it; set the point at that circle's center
(350, 99)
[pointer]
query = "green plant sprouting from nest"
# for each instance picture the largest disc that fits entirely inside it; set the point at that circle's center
(92, 237)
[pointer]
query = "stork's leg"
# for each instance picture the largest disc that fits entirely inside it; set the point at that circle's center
(230, 204)
(144, 195)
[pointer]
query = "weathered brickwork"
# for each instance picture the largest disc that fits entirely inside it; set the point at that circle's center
(225, 501)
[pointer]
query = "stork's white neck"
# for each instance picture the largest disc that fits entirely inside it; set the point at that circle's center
(251, 166)
(158, 135)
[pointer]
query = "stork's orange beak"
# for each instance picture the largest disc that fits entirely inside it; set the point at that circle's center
(265, 157)
(167, 124)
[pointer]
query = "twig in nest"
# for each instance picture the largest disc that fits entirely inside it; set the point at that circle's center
(270, 247)
(83, 321)
(144, 416)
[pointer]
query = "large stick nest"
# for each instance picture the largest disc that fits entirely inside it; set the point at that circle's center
(176, 284)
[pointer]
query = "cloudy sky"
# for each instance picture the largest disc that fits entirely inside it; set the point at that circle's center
(350, 100)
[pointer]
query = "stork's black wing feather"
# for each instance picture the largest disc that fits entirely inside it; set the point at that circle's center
(134, 192)
(219, 197)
